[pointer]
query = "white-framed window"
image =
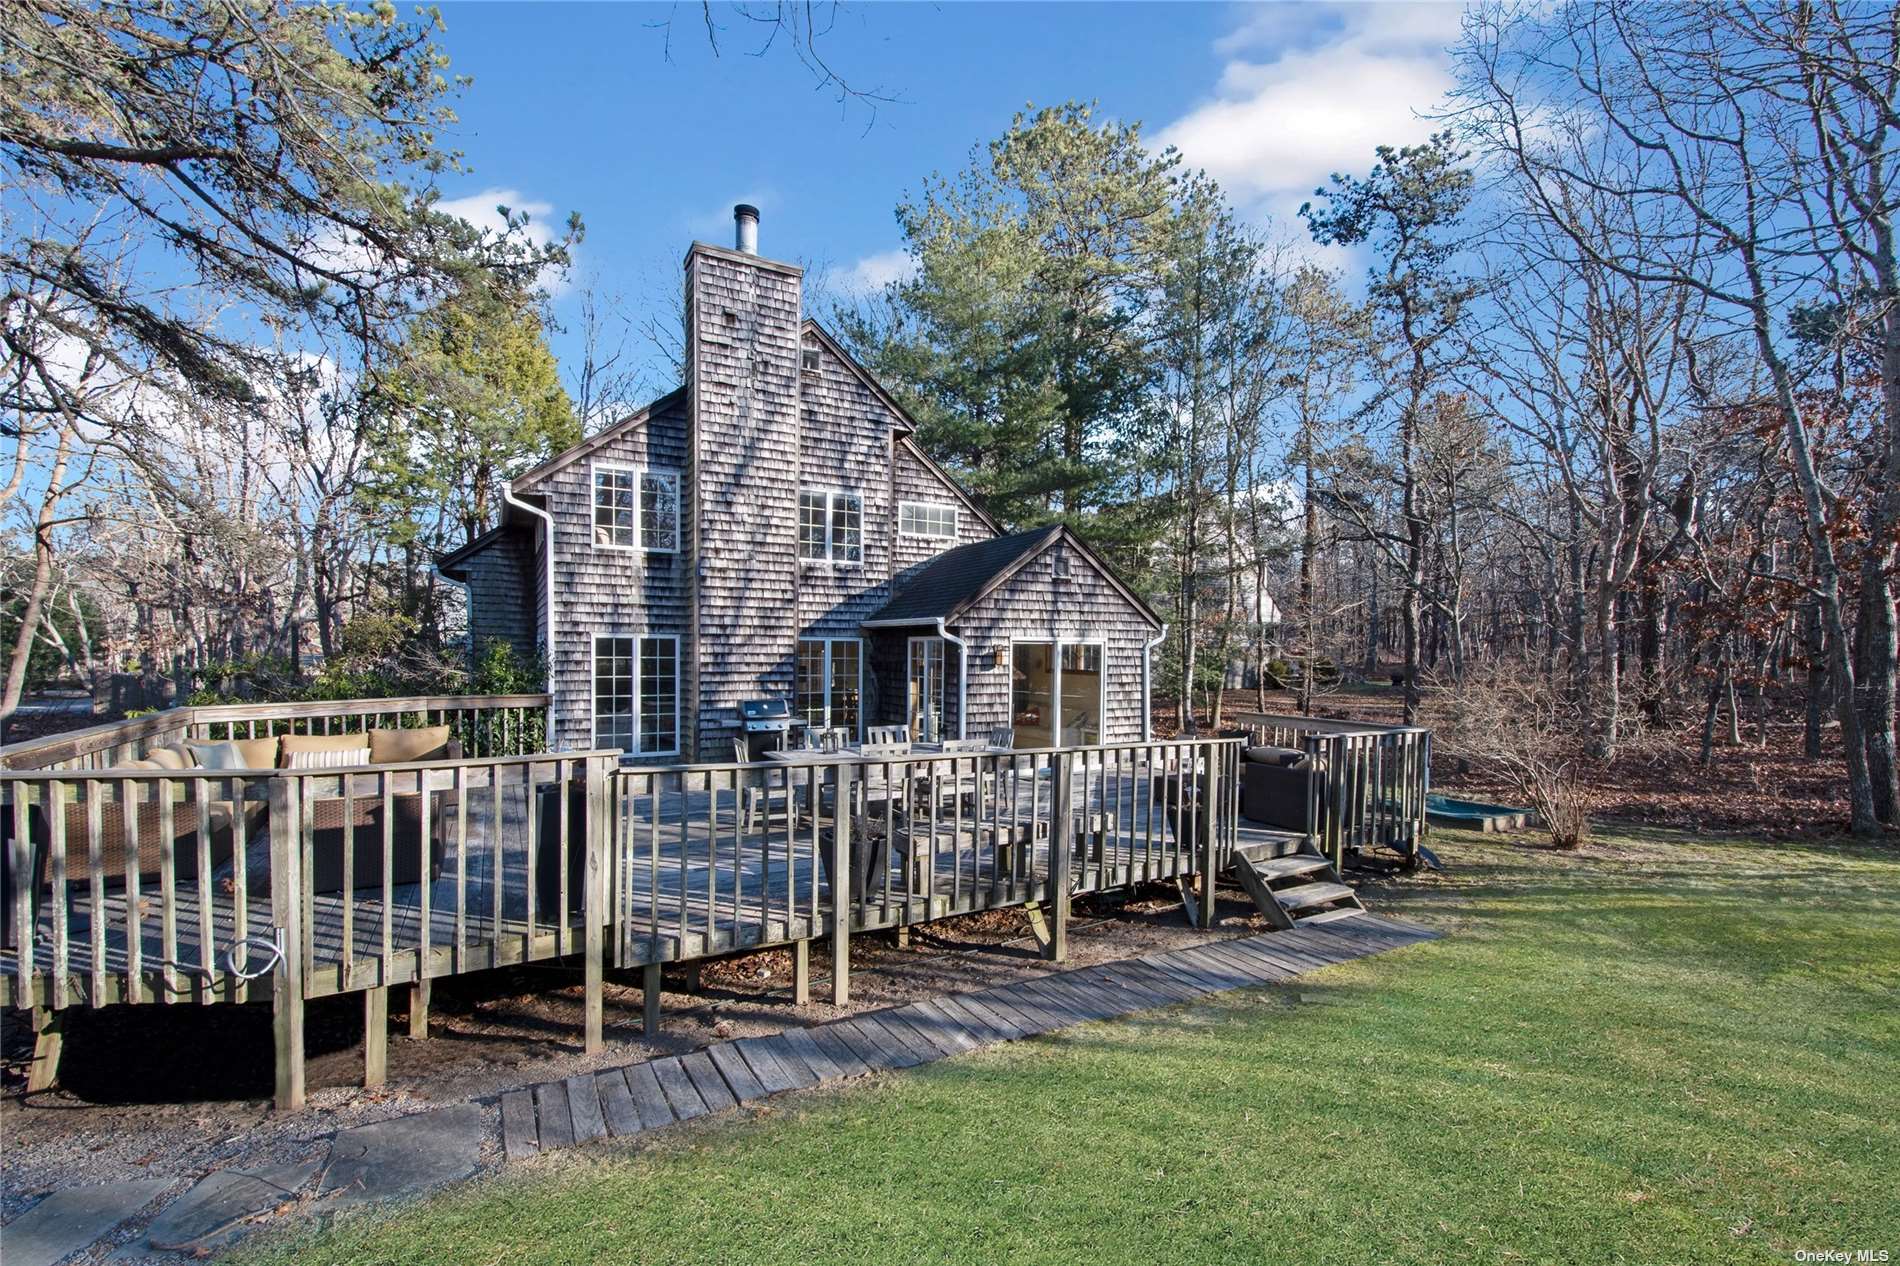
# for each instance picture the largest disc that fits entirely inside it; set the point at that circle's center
(636, 508)
(934, 519)
(830, 526)
(636, 694)
(828, 684)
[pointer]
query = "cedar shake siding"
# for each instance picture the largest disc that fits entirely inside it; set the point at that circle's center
(1033, 605)
(771, 407)
(623, 592)
(497, 569)
(742, 377)
(501, 588)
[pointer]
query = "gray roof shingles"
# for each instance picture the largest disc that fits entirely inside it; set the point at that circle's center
(946, 584)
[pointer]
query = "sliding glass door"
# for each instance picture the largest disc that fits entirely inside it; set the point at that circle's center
(1056, 693)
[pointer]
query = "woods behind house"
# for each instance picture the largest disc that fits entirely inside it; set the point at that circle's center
(1602, 424)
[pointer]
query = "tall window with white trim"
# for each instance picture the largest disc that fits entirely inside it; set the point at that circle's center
(826, 686)
(636, 508)
(830, 526)
(660, 511)
(614, 523)
(636, 694)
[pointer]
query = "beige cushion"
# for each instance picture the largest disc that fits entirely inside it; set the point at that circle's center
(142, 764)
(332, 758)
(392, 747)
(254, 753)
(293, 743)
(170, 758)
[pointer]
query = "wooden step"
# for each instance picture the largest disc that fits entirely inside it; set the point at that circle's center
(1282, 843)
(1341, 912)
(1296, 864)
(1300, 896)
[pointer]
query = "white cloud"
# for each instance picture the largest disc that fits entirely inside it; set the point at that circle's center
(1307, 91)
(874, 272)
(481, 210)
(715, 225)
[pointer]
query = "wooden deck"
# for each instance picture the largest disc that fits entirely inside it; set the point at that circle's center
(688, 880)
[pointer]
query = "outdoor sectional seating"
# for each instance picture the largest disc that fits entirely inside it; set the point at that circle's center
(1282, 787)
(234, 795)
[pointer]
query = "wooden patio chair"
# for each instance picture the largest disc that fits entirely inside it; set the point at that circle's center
(756, 786)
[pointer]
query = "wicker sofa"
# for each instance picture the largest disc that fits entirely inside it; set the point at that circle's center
(132, 835)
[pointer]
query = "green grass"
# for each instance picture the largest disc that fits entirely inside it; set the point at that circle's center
(1659, 1051)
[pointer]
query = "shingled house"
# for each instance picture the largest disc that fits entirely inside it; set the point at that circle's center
(772, 529)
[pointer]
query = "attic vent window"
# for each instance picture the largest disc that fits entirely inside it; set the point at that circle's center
(732, 318)
(811, 360)
(1061, 564)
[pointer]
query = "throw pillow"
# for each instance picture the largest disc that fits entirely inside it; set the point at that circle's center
(293, 743)
(332, 758)
(170, 758)
(218, 756)
(255, 753)
(389, 747)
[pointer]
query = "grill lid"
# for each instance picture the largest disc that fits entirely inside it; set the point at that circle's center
(770, 709)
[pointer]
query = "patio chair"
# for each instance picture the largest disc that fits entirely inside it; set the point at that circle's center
(887, 740)
(756, 786)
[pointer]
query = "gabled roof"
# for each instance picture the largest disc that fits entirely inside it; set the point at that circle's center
(911, 446)
(446, 563)
(957, 579)
(594, 443)
(906, 423)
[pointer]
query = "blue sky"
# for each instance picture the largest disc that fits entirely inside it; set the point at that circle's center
(579, 107)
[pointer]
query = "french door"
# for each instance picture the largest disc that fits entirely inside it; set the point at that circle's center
(925, 708)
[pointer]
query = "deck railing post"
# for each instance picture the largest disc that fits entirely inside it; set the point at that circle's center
(286, 903)
(593, 900)
(1061, 860)
(1203, 757)
(842, 876)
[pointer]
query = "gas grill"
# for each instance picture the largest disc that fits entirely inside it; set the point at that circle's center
(767, 723)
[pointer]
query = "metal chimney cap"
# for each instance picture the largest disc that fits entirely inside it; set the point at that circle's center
(745, 228)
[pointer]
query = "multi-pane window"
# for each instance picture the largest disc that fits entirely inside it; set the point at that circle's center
(636, 509)
(660, 510)
(614, 525)
(826, 685)
(659, 695)
(927, 518)
(636, 694)
(831, 526)
(614, 693)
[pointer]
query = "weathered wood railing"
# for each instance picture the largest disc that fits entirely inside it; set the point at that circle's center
(146, 886)
(158, 887)
(485, 725)
(713, 858)
(1375, 778)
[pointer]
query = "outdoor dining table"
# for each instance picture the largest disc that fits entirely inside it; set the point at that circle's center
(865, 852)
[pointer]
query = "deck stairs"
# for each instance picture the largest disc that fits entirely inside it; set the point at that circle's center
(1294, 888)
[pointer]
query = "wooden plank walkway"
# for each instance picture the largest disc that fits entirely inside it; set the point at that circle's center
(657, 1093)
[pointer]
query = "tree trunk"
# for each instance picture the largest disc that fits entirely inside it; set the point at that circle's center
(42, 577)
(1818, 702)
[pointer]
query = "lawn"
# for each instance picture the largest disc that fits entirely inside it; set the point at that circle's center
(1658, 1051)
